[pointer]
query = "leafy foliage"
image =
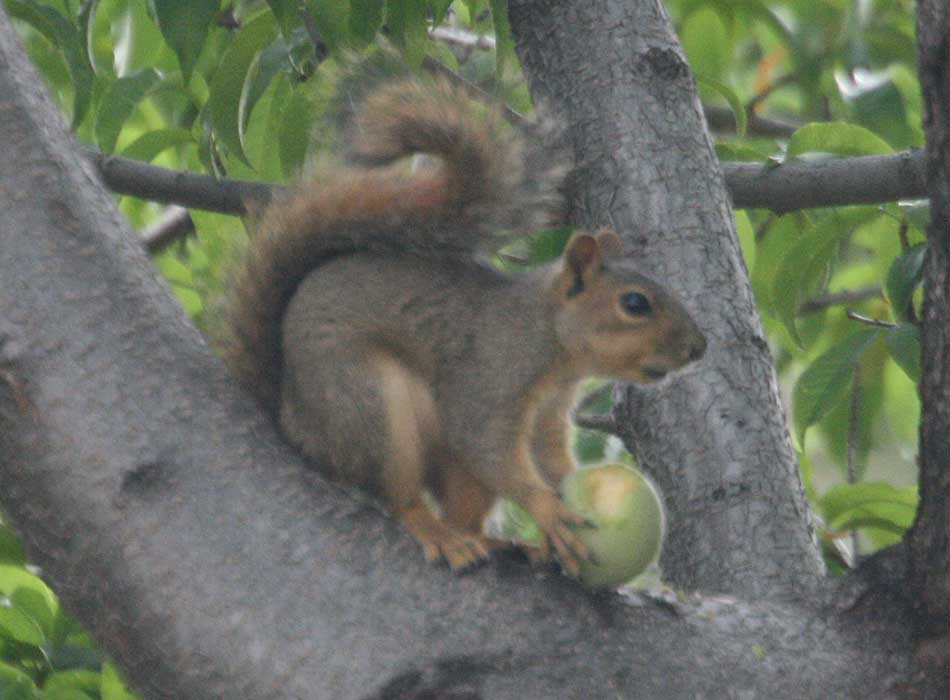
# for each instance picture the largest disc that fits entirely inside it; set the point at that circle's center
(237, 88)
(44, 655)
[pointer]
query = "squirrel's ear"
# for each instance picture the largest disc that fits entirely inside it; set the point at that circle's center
(582, 254)
(583, 261)
(611, 245)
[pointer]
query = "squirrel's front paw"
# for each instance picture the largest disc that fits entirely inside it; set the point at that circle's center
(558, 523)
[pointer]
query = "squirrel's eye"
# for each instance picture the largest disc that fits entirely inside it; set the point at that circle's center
(635, 304)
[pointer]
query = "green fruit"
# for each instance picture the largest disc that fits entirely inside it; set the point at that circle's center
(625, 508)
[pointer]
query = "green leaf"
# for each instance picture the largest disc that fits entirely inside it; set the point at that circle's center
(827, 379)
(11, 550)
(113, 688)
(61, 33)
(71, 657)
(18, 626)
(182, 280)
(66, 694)
(917, 214)
(439, 10)
(263, 128)
(287, 14)
(408, 28)
(332, 20)
(517, 523)
(903, 343)
(36, 605)
(746, 235)
(735, 104)
(15, 577)
(67, 634)
(780, 237)
(16, 685)
(547, 245)
(903, 278)
(118, 103)
(293, 140)
(185, 25)
(225, 106)
(366, 17)
(590, 446)
(504, 42)
(84, 681)
(879, 106)
(705, 39)
(739, 152)
(267, 66)
(805, 267)
(869, 504)
(142, 43)
(149, 145)
(839, 138)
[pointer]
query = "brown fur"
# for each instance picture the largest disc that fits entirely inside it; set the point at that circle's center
(479, 187)
(362, 318)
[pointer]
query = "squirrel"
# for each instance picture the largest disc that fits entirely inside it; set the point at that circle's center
(365, 320)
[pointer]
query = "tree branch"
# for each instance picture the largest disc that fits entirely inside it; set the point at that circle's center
(794, 185)
(186, 189)
(723, 119)
(827, 183)
(845, 296)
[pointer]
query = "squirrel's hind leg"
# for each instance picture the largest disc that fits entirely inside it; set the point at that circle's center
(412, 432)
(465, 501)
(373, 422)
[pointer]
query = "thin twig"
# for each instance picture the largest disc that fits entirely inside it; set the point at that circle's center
(460, 37)
(855, 316)
(723, 119)
(174, 224)
(845, 296)
(589, 421)
(779, 82)
(852, 448)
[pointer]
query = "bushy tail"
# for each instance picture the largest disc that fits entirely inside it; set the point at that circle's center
(492, 177)
(485, 182)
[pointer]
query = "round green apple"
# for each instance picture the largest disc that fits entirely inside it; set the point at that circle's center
(628, 518)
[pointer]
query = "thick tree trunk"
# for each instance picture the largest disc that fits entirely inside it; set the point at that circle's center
(930, 537)
(714, 438)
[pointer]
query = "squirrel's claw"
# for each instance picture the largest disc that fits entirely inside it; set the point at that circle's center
(440, 540)
(558, 523)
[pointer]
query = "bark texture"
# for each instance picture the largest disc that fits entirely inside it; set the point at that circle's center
(211, 563)
(714, 438)
(930, 537)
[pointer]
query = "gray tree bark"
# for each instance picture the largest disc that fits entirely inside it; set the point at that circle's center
(930, 537)
(714, 438)
(210, 562)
